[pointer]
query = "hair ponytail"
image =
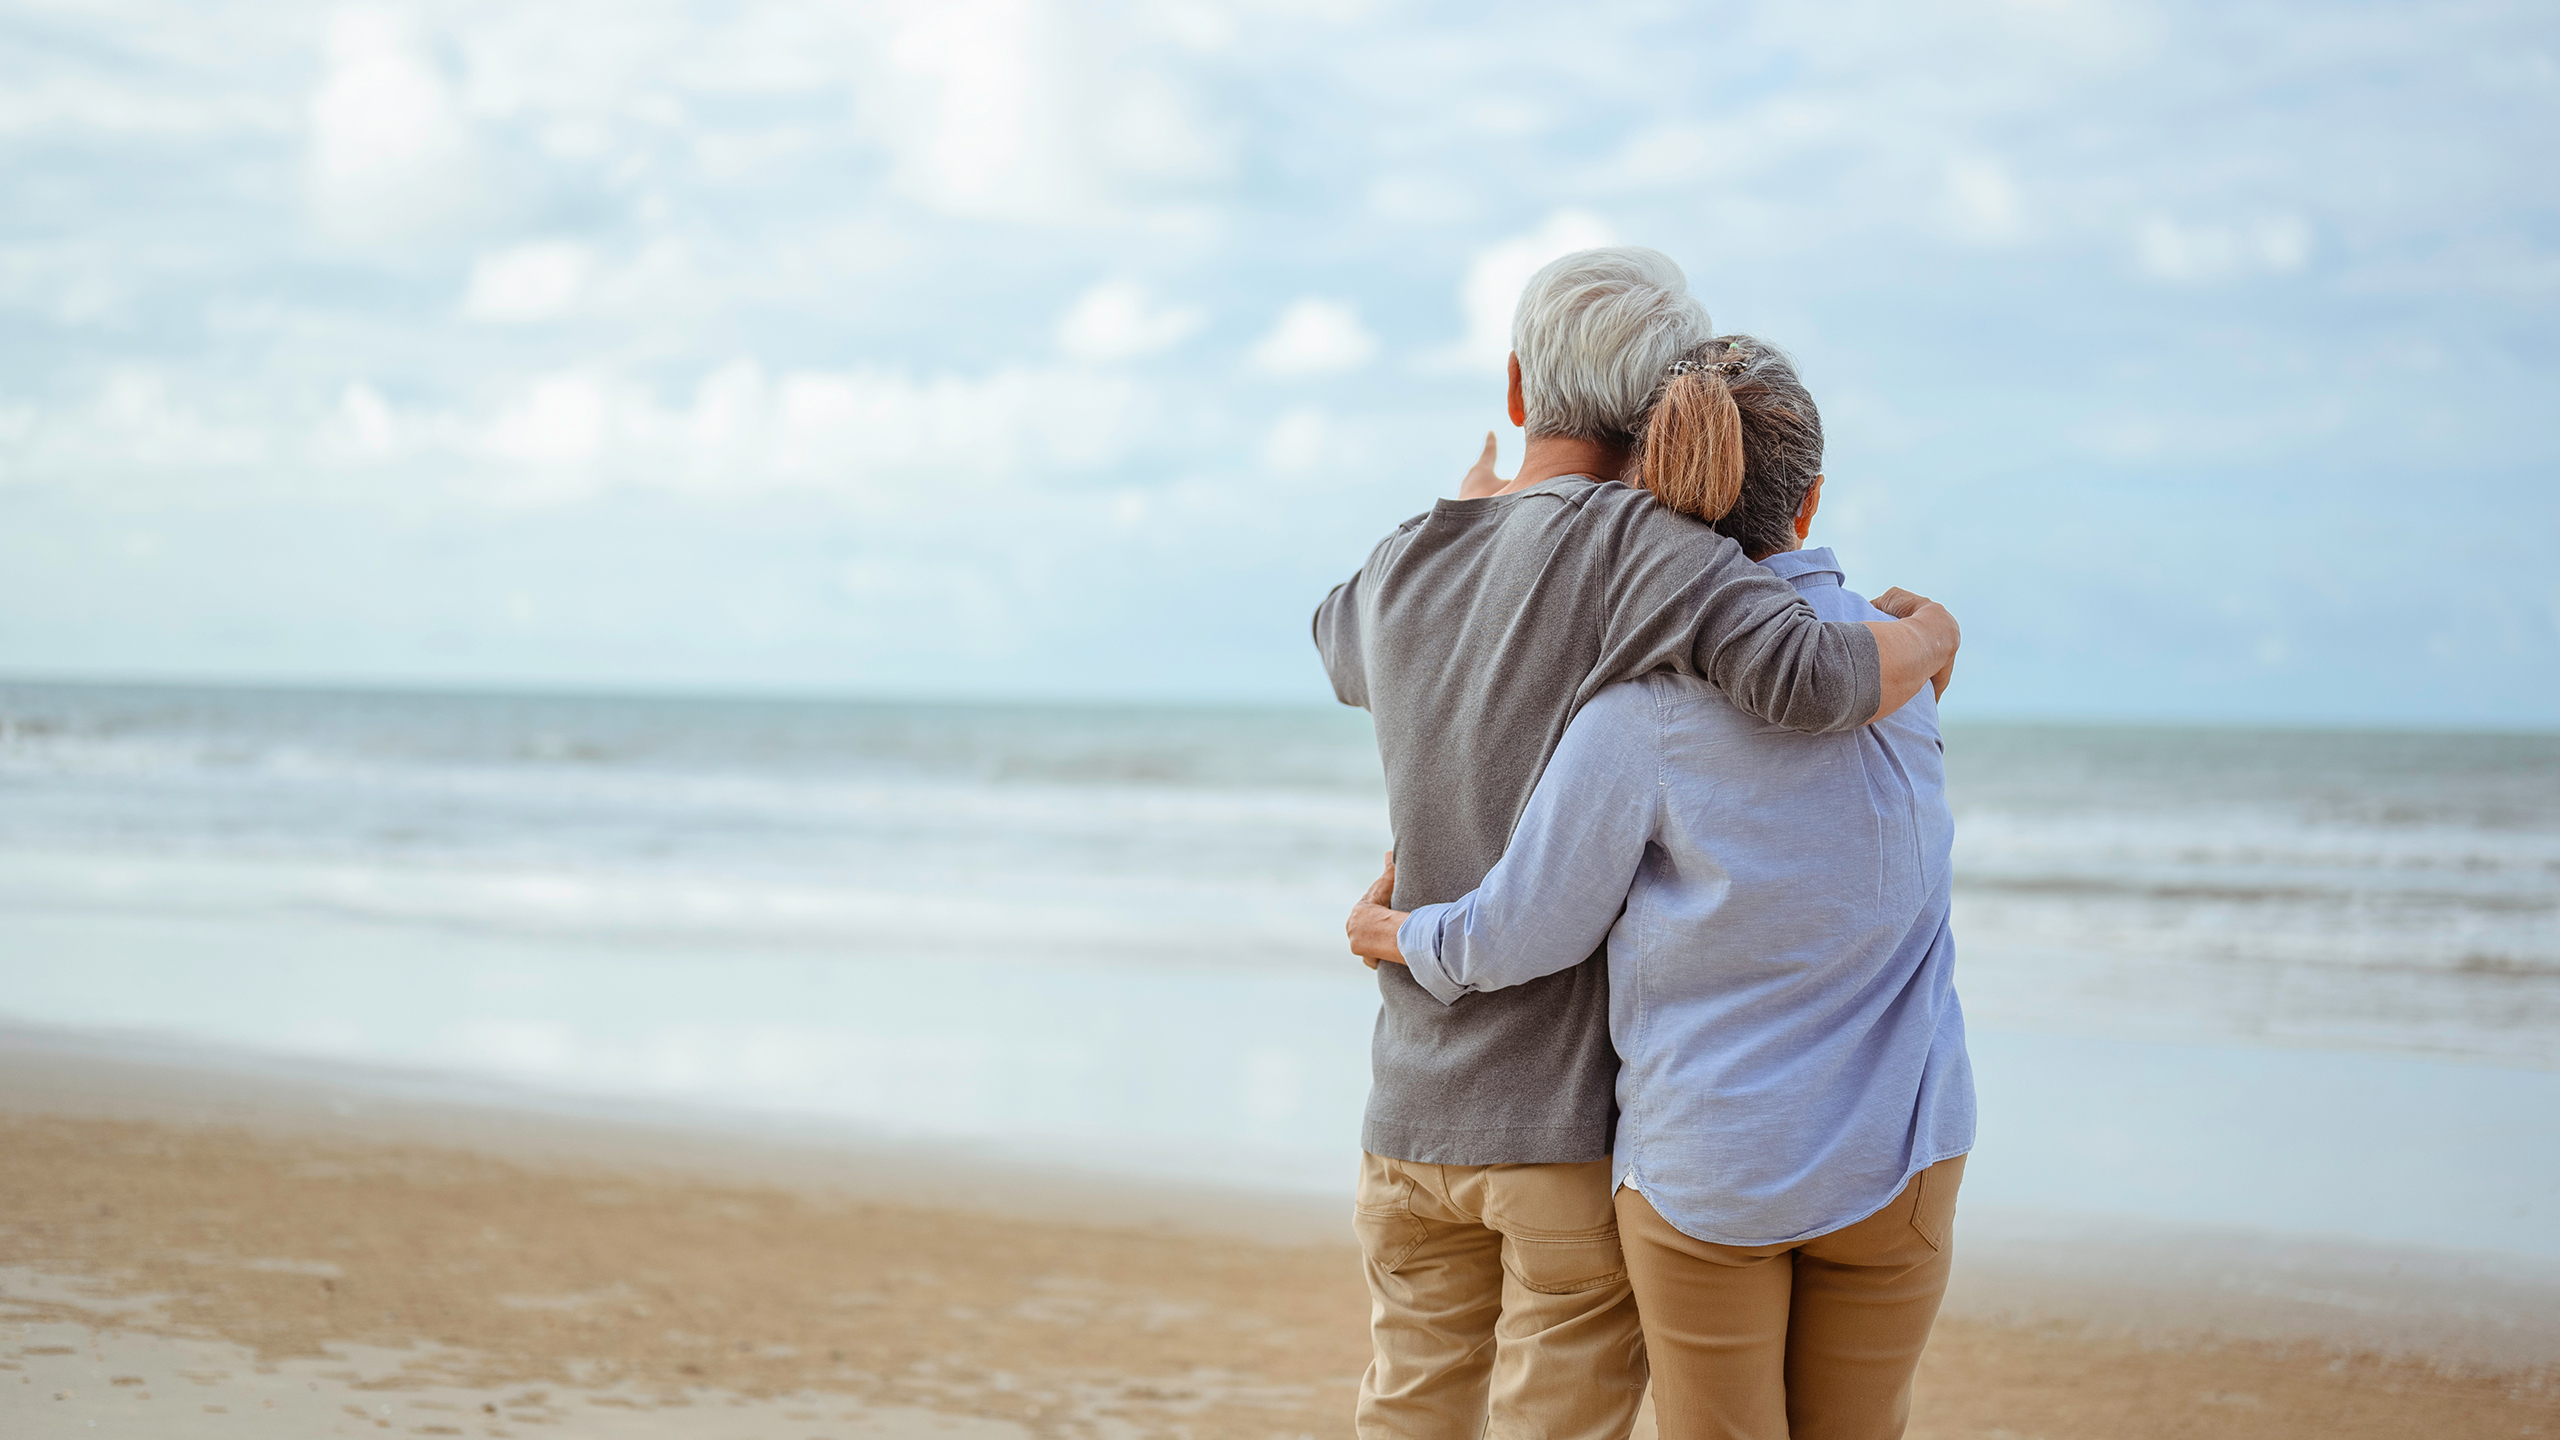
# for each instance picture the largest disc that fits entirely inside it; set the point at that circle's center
(1733, 438)
(1691, 456)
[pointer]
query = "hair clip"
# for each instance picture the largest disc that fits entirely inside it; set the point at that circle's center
(1731, 365)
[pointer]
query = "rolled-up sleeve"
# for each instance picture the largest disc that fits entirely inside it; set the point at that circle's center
(1563, 880)
(1419, 942)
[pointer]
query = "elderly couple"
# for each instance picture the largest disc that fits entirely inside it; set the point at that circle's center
(1670, 1079)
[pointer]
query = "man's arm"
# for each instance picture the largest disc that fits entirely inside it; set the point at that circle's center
(1904, 649)
(1564, 878)
(1685, 598)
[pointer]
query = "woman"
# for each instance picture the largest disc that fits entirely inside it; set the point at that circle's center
(1795, 1101)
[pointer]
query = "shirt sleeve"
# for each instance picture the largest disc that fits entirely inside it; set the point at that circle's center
(1559, 887)
(1337, 635)
(1684, 598)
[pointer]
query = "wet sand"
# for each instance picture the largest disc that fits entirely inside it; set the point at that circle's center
(193, 1252)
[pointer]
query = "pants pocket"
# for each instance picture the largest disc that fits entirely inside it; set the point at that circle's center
(1388, 1240)
(1382, 1216)
(1565, 1265)
(1933, 1210)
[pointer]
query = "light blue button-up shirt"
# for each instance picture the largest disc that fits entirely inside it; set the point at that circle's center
(1781, 976)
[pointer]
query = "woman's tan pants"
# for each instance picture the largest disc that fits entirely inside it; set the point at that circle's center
(1498, 1304)
(1811, 1341)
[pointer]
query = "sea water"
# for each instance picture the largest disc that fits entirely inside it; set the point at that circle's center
(2301, 981)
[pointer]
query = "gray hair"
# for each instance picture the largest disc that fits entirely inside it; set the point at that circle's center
(1594, 331)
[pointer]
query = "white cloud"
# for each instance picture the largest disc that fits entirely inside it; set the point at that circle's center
(1776, 137)
(1314, 337)
(846, 429)
(1668, 153)
(541, 281)
(2199, 254)
(1039, 110)
(560, 421)
(1149, 127)
(133, 106)
(367, 422)
(863, 435)
(977, 145)
(1423, 198)
(1119, 320)
(1981, 203)
(71, 284)
(1491, 290)
(137, 419)
(391, 155)
(1299, 441)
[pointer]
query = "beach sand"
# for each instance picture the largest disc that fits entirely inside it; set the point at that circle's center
(191, 1252)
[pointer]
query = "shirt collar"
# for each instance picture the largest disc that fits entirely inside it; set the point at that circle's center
(1803, 567)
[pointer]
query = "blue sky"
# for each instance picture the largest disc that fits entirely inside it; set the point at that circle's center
(2201, 357)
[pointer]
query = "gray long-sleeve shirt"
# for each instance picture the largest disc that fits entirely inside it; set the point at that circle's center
(1472, 635)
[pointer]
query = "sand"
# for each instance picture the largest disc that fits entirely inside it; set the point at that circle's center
(185, 1252)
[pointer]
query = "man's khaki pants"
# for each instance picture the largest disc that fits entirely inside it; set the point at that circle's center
(1498, 1304)
(1811, 1341)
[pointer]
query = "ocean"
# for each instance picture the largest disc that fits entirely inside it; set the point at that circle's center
(2213, 976)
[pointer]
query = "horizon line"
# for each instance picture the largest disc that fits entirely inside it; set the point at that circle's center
(490, 688)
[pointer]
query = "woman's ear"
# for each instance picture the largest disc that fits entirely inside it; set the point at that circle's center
(1519, 403)
(1804, 512)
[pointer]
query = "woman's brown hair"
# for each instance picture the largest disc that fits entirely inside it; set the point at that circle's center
(1732, 436)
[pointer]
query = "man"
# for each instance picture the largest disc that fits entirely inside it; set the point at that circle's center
(1499, 1297)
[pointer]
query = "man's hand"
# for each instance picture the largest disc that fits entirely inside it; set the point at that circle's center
(1480, 481)
(1372, 927)
(1931, 635)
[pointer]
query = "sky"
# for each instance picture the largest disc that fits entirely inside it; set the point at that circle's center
(2201, 357)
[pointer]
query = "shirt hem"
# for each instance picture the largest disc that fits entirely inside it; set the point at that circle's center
(1629, 1180)
(1490, 1145)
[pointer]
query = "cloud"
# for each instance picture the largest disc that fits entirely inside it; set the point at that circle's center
(859, 435)
(391, 155)
(1026, 110)
(84, 104)
(1119, 320)
(560, 422)
(2201, 254)
(365, 421)
(1981, 203)
(1299, 441)
(1314, 337)
(137, 418)
(1423, 198)
(1001, 425)
(978, 145)
(542, 281)
(1491, 290)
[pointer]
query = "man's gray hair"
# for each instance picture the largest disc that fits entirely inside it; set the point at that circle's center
(1594, 331)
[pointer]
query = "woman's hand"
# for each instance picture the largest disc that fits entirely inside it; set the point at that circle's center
(1372, 927)
(1480, 481)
